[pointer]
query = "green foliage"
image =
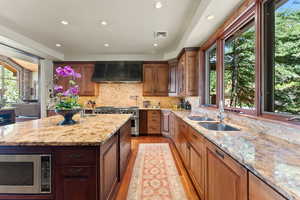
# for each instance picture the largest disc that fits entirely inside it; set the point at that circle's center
(68, 103)
(239, 75)
(9, 85)
(287, 62)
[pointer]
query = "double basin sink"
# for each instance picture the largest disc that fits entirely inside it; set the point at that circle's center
(211, 124)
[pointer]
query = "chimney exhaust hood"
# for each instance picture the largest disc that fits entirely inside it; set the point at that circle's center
(118, 71)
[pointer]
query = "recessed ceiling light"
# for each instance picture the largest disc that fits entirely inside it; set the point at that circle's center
(58, 45)
(64, 22)
(158, 4)
(210, 17)
(155, 44)
(103, 23)
(106, 45)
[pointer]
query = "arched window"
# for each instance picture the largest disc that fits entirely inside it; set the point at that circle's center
(9, 87)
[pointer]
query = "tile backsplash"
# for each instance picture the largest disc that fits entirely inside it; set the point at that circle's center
(126, 94)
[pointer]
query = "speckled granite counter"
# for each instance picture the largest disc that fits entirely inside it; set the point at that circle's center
(92, 130)
(274, 160)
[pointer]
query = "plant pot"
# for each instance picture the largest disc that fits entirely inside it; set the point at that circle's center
(68, 115)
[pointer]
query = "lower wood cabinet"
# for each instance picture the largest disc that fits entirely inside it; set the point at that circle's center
(76, 183)
(125, 147)
(109, 169)
(258, 190)
(197, 161)
(150, 122)
(165, 123)
(225, 178)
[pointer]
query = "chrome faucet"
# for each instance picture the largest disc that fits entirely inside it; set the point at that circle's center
(220, 115)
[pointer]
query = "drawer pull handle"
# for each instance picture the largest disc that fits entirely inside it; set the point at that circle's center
(73, 171)
(220, 154)
(194, 136)
(77, 156)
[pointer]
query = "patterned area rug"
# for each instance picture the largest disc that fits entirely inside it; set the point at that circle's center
(155, 176)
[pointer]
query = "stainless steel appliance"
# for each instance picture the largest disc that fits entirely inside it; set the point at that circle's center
(126, 110)
(25, 174)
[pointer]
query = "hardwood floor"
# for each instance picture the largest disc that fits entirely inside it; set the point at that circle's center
(188, 186)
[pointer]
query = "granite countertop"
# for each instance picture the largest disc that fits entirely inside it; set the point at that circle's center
(92, 130)
(274, 160)
(7, 108)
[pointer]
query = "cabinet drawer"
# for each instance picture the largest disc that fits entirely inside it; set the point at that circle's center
(195, 139)
(77, 171)
(76, 157)
(153, 114)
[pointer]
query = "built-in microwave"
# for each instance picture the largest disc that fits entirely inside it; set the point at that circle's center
(25, 174)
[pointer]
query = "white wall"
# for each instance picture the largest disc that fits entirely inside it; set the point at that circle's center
(45, 84)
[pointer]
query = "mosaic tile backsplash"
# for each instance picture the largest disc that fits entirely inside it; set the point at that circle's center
(125, 95)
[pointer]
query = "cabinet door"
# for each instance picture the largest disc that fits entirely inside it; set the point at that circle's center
(87, 87)
(153, 122)
(196, 169)
(76, 183)
(191, 74)
(181, 74)
(173, 78)
(143, 126)
(109, 174)
(149, 80)
(172, 126)
(162, 80)
(258, 190)
(125, 146)
(225, 178)
(165, 123)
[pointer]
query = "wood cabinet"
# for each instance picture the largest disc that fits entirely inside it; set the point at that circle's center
(173, 67)
(153, 122)
(109, 169)
(75, 174)
(258, 190)
(197, 161)
(165, 122)
(156, 80)
(87, 87)
(143, 122)
(172, 124)
(225, 178)
(187, 73)
(76, 183)
(125, 147)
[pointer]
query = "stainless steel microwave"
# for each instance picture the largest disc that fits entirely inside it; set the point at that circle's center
(25, 174)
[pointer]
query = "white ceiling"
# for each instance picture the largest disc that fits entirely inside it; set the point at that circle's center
(129, 32)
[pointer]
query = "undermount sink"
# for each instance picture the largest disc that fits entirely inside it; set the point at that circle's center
(199, 118)
(218, 127)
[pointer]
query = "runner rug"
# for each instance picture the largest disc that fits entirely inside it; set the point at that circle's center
(155, 176)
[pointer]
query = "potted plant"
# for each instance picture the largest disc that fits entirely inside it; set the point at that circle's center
(67, 98)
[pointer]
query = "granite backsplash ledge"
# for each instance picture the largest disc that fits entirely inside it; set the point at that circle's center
(254, 124)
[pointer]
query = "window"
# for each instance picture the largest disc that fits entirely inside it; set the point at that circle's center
(211, 75)
(239, 68)
(282, 57)
(9, 90)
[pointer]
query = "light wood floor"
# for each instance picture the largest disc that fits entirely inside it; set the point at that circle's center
(188, 186)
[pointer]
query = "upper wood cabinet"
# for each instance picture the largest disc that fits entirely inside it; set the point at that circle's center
(187, 73)
(258, 190)
(173, 67)
(225, 178)
(87, 87)
(156, 80)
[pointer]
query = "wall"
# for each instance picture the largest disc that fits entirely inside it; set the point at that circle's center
(46, 83)
(123, 95)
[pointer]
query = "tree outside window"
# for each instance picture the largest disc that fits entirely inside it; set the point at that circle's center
(9, 90)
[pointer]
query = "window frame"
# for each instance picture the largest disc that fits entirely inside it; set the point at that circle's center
(267, 114)
(243, 20)
(3, 78)
(207, 83)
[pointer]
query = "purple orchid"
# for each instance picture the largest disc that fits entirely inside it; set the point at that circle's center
(67, 71)
(74, 90)
(58, 88)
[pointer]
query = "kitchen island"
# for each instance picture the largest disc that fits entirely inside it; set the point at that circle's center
(88, 159)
